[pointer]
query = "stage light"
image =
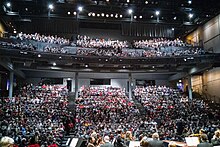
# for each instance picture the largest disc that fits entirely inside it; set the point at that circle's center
(190, 15)
(68, 13)
(130, 11)
(121, 16)
(102, 14)
(189, 2)
(80, 8)
(74, 13)
(50, 6)
(173, 29)
(107, 15)
(128, 1)
(8, 4)
(39, 55)
(135, 17)
(157, 13)
(174, 18)
(98, 15)
(140, 17)
(89, 14)
(112, 15)
(146, 2)
(93, 14)
(54, 64)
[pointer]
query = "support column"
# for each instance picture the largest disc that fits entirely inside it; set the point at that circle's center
(130, 86)
(11, 84)
(76, 84)
(190, 87)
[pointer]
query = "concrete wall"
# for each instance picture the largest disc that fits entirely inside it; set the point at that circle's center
(1, 30)
(211, 83)
(209, 34)
(197, 84)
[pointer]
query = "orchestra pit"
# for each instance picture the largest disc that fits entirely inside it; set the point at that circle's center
(109, 73)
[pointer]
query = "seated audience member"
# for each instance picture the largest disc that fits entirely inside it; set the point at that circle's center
(144, 143)
(107, 142)
(172, 144)
(6, 142)
(204, 141)
(216, 138)
(156, 142)
(91, 142)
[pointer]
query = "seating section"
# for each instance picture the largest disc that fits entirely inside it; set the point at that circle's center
(38, 115)
(88, 46)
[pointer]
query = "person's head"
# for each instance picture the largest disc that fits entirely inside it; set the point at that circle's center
(172, 144)
(204, 138)
(91, 139)
(155, 136)
(144, 143)
(6, 142)
(106, 139)
(217, 133)
(201, 131)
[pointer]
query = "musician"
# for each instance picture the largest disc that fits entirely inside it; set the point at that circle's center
(204, 141)
(156, 142)
(216, 138)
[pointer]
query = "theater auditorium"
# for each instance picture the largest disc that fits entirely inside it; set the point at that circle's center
(109, 73)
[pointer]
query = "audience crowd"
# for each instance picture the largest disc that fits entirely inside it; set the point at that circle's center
(108, 112)
(158, 43)
(42, 38)
(86, 46)
(105, 115)
(38, 116)
(87, 42)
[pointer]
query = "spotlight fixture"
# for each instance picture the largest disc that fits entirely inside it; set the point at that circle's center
(121, 16)
(8, 4)
(107, 15)
(128, 1)
(173, 29)
(39, 55)
(157, 13)
(50, 6)
(174, 18)
(68, 12)
(146, 2)
(102, 14)
(190, 15)
(98, 15)
(80, 8)
(130, 11)
(54, 64)
(140, 17)
(189, 1)
(135, 17)
(93, 14)
(74, 13)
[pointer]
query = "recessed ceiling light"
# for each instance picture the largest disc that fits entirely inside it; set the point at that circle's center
(130, 11)
(157, 13)
(80, 8)
(50, 6)
(8, 4)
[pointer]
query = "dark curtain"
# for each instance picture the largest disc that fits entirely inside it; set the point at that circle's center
(146, 30)
(50, 26)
